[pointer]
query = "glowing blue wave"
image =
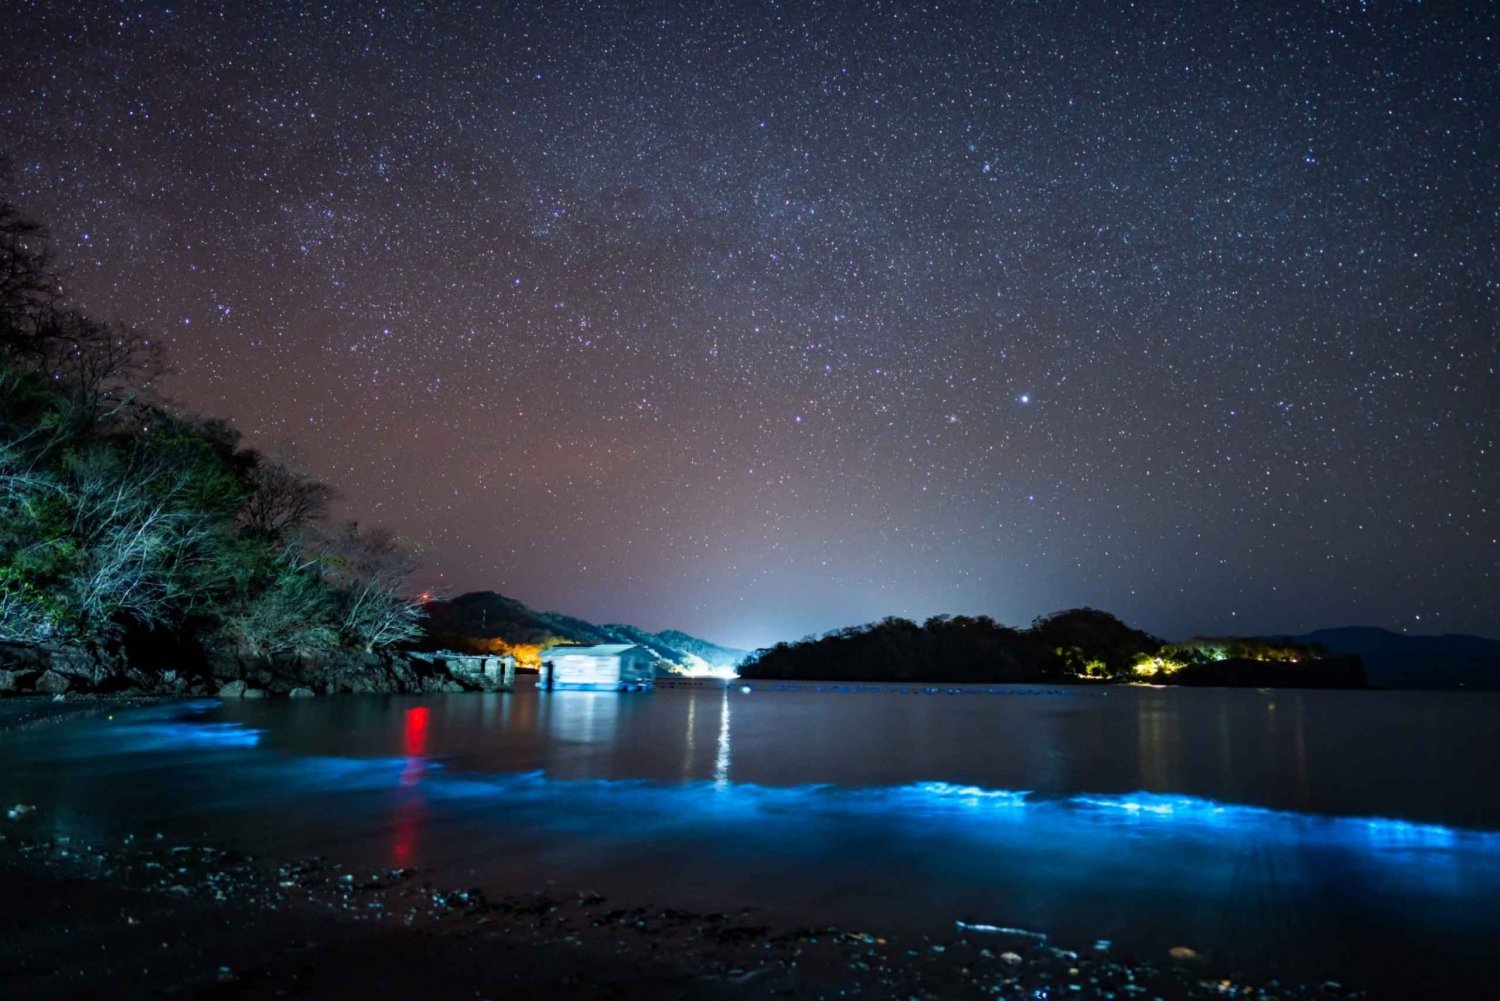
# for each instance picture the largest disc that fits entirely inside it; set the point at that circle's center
(943, 850)
(181, 726)
(160, 728)
(939, 821)
(971, 810)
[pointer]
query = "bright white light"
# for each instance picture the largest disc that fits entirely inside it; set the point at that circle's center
(1025, 397)
(721, 760)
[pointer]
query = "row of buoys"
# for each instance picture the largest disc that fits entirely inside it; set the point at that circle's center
(906, 690)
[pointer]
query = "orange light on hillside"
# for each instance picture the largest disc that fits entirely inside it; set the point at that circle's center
(527, 655)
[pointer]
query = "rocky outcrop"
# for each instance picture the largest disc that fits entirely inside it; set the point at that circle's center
(17, 680)
(348, 671)
(22, 666)
(26, 669)
(327, 673)
(53, 683)
(55, 670)
(87, 667)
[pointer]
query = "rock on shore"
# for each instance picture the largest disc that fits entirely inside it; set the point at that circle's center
(28, 669)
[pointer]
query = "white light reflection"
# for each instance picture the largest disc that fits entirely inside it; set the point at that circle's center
(687, 744)
(721, 762)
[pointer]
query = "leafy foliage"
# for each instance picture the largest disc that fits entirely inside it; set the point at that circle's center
(367, 568)
(117, 512)
(1086, 641)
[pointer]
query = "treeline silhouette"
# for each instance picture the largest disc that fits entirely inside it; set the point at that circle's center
(1065, 646)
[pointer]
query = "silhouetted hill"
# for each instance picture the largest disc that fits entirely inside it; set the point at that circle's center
(623, 633)
(467, 621)
(485, 614)
(714, 654)
(1400, 660)
(1076, 645)
(1070, 645)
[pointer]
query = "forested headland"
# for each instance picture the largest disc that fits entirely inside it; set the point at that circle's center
(130, 525)
(1078, 645)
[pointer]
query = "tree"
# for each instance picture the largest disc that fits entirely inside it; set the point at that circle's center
(95, 370)
(123, 529)
(28, 288)
(105, 536)
(291, 610)
(1087, 641)
(281, 500)
(103, 370)
(119, 514)
(369, 568)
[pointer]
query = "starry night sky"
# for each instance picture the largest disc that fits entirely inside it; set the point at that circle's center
(756, 319)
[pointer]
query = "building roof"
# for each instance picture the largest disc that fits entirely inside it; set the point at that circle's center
(602, 650)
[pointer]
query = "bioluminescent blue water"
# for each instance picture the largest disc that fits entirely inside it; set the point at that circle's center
(1349, 835)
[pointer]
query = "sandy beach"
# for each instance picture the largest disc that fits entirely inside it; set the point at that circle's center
(152, 918)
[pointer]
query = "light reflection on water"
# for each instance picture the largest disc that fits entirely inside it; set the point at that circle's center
(721, 759)
(1109, 837)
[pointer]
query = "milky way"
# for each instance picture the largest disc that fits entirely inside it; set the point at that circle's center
(758, 319)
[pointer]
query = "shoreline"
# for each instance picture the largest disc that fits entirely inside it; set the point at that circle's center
(1072, 687)
(149, 916)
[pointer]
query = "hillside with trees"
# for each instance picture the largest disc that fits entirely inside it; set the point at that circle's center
(129, 526)
(1077, 645)
(1066, 646)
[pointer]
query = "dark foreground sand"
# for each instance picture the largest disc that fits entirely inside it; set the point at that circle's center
(148, 918)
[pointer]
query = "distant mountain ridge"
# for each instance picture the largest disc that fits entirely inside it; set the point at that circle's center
(1391, 659)
(1400, 660)
(466, 621)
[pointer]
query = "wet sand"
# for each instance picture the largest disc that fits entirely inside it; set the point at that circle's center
(151, 918)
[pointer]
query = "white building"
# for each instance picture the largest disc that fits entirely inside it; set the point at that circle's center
(614, 667)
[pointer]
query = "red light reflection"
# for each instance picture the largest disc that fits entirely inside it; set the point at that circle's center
(409, 812)
(416, 745)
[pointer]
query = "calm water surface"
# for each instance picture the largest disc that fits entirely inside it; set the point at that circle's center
(1353, 835)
